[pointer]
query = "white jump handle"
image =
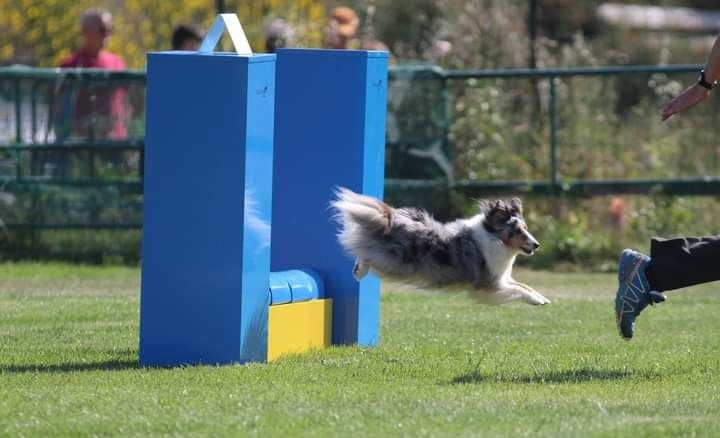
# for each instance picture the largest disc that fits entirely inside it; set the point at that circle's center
(231, 23)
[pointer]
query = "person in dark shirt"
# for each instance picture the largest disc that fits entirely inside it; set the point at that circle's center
(186, 37)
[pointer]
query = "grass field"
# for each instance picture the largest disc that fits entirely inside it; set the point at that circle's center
(445, 367)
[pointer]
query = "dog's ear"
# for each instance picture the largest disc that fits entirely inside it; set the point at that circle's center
(487, 206)
(516, 207)
(498, 213)
(483, 205)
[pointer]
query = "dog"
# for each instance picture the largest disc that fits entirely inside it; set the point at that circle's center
(407, 244)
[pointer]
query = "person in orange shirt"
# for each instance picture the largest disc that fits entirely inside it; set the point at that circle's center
(341, 31)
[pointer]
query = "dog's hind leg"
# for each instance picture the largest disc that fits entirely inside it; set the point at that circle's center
(360, 269)
(537, 297)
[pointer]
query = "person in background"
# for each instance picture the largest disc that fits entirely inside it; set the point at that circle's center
(95, 28)
(341, 31)
(100, 112)
(186, 37)
(673, 263)
(278, 34)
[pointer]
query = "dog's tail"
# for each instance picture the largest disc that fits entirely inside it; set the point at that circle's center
(369, 215)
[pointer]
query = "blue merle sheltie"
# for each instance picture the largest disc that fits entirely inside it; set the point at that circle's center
(407, 244)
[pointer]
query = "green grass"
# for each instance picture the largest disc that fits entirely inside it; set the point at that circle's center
(445, 367)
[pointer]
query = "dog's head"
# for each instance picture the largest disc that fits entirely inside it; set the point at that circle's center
(505, 220)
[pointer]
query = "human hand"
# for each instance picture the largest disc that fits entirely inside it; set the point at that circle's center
(688, 98)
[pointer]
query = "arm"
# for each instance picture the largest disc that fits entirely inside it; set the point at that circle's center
(712, 66)
(696, 93)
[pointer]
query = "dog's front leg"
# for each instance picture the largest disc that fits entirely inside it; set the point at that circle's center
(511, 291)
(538, 296)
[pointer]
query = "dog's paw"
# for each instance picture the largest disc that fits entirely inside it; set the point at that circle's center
(536, 299)
(360, 270)
(546, 301)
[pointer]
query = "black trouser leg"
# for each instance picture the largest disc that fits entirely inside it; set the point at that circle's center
(683, 262)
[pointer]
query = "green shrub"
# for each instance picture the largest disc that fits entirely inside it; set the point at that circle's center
(77, 246)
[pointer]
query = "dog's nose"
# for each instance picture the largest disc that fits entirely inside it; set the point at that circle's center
(536, 245)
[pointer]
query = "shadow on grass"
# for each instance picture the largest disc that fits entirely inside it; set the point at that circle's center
(108, 365)
(567, 376)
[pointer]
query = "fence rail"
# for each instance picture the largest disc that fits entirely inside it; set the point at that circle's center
(555, 184)
(35, 157)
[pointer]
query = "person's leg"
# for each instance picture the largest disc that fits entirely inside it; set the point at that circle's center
(673, 264)
(683, 262)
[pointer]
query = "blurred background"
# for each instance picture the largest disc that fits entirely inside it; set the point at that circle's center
(556, 101)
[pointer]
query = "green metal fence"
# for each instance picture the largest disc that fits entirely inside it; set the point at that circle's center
(554, 182)
(71, 141)
(71, 148)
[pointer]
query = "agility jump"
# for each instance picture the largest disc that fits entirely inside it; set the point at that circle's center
(240, 259)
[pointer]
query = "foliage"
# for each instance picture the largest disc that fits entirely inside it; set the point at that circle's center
(119, 247)
(581, 234)
(561, 20)
(307, 18)
(408, 28)
(703, 4)
(608, 126)
(42, 32)
(484, 33)
(445, 366)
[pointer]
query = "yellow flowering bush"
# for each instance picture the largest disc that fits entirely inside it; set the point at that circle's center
(42, 32)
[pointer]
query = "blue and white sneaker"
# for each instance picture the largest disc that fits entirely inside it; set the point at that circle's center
(633, 293)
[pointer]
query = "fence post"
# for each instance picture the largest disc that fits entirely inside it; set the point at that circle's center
(33, 111)
(18, 129)
(554, 180)
(447, 126)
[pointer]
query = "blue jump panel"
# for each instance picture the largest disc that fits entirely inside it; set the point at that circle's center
(207, 208)
(329, 132)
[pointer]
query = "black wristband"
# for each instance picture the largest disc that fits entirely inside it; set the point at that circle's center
(702, 81)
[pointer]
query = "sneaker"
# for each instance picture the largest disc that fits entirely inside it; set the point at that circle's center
(633, 293)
